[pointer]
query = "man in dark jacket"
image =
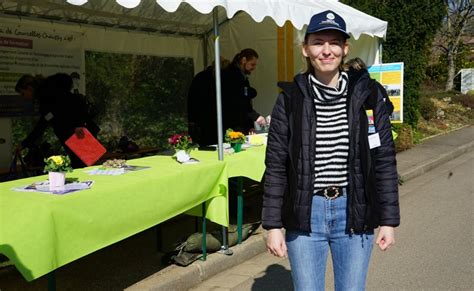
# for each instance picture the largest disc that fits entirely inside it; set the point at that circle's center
(237, 94)
(202, 124)
(67, 113)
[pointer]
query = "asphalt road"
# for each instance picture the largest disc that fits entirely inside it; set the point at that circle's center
(434, 245)
(433, 250)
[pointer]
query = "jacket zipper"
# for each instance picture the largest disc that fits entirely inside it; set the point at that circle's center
(313, 153)
(350, 189)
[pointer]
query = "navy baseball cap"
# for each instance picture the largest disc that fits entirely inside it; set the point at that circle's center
(327, 20)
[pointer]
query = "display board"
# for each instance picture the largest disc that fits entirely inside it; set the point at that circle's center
(390, 75)
(27, 49)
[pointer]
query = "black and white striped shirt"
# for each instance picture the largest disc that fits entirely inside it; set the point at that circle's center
(332, 133)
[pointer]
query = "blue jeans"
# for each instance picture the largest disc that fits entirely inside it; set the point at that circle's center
(308, 251)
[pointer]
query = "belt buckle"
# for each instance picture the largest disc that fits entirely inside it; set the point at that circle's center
(331, 193)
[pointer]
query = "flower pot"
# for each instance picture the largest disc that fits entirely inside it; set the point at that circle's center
(182, 156)
(57, 180)
(236, 146)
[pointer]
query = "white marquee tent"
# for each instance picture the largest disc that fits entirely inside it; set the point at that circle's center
(185, 28)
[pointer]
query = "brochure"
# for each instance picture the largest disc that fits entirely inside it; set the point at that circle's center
(43, 186)
(115, 171)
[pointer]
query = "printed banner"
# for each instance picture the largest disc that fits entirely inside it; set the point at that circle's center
(390, 75)
(37, 51)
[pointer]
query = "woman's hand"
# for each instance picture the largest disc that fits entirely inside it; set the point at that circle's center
(276, 244)
(386, 237)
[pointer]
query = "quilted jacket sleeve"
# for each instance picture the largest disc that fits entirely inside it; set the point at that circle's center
(386, 167)
(276, 161)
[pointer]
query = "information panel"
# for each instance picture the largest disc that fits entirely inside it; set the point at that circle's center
(390, 75)
(31, 50)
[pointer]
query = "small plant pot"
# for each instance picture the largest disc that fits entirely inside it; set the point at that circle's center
(182, 156)
(236, 146)
(57, 180)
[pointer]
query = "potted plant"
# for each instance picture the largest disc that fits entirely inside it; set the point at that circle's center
(183, 145)
(235, 138)
(57, 166)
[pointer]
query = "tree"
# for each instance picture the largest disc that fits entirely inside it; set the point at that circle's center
(412, 26)
(458, 19)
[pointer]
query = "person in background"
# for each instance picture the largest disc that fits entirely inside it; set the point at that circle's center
(202, 112)
(358, 64)
(237, 94)
(64, 111)
(329, 182)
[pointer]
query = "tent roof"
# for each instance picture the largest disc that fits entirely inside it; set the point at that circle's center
(157, 16)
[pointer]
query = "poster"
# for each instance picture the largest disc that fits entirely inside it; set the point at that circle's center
(390, 75)
(37, 51)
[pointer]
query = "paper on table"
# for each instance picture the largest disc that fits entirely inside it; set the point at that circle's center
(115, 171)
(190, 161)
(43, 186)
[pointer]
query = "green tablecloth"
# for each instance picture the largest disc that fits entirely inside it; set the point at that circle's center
(248, 163)
(40, 232)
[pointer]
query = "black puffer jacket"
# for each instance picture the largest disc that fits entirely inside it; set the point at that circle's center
(373, 181)
(237, 95)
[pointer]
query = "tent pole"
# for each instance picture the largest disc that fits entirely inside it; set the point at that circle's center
(380, 51)
(217, 60)
(205, 60)
(218, 87)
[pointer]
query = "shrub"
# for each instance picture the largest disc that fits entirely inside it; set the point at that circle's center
(404, 140)
(466, 100)
(427, 108)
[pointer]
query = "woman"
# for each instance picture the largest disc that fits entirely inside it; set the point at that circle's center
(329, 182)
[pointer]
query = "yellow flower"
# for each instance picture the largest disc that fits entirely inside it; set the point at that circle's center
(235, 135)
(58, 160)
(232, 136)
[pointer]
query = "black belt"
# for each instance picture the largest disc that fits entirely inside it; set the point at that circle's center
(330, 192)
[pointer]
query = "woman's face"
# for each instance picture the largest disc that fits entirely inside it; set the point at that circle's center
(325, 50)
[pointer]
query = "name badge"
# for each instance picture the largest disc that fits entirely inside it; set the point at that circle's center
(371, 128)
(374, 140)
(370, 116)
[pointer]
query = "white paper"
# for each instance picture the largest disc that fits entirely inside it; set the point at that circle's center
(374, 140)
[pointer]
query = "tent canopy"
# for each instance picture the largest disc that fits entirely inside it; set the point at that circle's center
(194, 17)
(184, 28)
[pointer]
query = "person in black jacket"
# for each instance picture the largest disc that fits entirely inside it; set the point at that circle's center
(66, 112)
(202, 110)
(328, 181)
(237, 94)
(358, 64)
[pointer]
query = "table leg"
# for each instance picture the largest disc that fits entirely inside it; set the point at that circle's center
(240, 208)
(225, 245)
(52, 281)
(204, 242)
